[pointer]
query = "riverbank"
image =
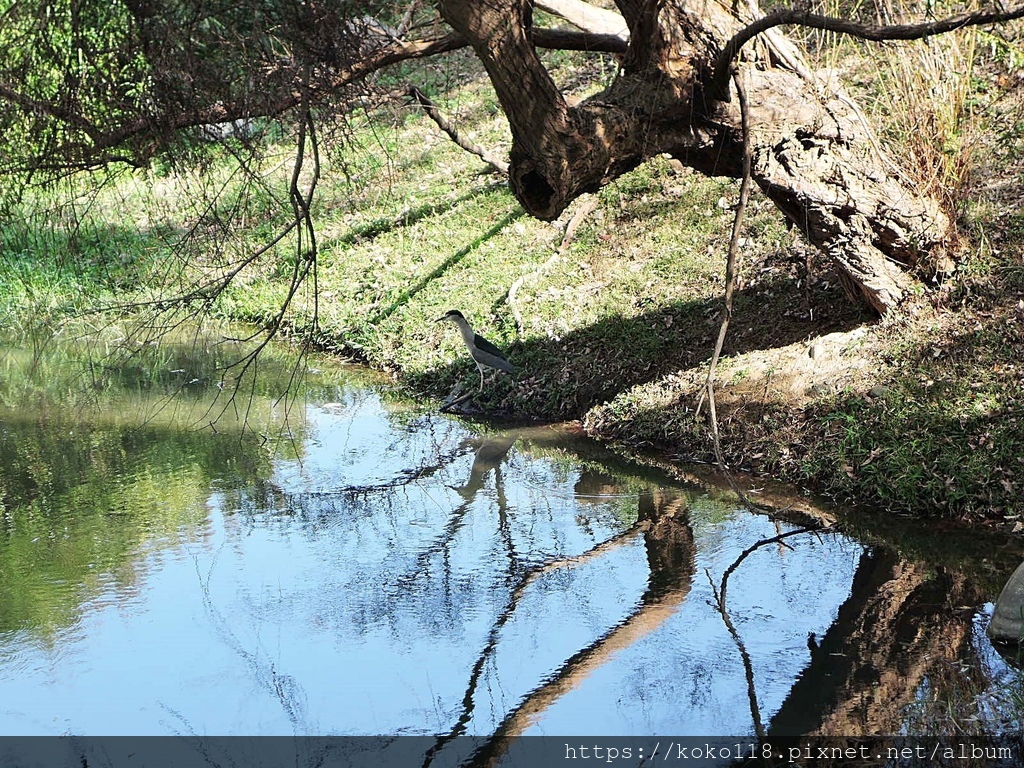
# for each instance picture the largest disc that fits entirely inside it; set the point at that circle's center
(611, 324)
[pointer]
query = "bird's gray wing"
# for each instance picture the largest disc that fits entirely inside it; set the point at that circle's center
(500, 362)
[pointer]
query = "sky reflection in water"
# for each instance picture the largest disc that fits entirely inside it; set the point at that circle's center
(400, 574)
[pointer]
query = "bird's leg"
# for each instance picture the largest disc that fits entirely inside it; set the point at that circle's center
(481, 369)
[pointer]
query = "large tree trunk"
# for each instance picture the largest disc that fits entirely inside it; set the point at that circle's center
(813, 153)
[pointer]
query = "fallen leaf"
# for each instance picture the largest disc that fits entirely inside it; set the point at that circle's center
(875, 453)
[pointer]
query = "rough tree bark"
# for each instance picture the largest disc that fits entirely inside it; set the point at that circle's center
(813, 153)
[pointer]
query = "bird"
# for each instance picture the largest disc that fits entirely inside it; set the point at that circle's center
(484, 354)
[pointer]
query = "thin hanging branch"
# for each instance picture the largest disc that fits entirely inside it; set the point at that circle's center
(730, 289)
(305, 250)
(90, 144)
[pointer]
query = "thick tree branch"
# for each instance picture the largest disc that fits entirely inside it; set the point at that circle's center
(720, 80)
(568, 40)
(587, 17)
(499, 34)
(384, 57)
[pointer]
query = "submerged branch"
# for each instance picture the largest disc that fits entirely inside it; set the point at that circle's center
(513, 601)
(720, 593)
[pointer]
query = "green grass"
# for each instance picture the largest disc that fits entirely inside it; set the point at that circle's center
(947, 436)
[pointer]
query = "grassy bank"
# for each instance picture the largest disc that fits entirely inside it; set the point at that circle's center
(920, 413)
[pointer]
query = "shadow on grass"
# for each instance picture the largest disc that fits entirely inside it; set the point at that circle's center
(405, 296)
(943, 439)
(410, 216)
(106, 256)
(563, 376)
(78, 264)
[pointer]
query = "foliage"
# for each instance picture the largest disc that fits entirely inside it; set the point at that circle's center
(102, 462)
(89, 82)
(79, 58)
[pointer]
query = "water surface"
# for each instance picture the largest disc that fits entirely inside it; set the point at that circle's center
(340, 563)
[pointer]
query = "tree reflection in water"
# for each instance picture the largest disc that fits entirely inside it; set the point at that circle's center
(465, 584)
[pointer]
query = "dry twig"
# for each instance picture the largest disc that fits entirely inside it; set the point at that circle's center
(448, 127)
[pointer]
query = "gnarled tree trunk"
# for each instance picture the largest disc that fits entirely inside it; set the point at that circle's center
(813, 153)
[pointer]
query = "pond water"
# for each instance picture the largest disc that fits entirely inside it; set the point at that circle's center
(178, 561)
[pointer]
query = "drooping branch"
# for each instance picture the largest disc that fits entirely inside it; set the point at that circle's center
(731, 270)
(453, 133)
(386, 56)
(803, 18)
(94, 141)
(56, 111)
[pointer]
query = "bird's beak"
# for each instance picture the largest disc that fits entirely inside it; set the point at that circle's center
(441, 318)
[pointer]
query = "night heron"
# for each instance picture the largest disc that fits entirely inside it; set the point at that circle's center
(484, 354)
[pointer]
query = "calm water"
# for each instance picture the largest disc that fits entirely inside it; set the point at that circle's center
(340, 563)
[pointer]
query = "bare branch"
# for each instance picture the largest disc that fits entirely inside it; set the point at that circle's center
(718, 90)
(445, 125)
(219, 113)
(567, 40)
(96, 142)
(403, 26)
